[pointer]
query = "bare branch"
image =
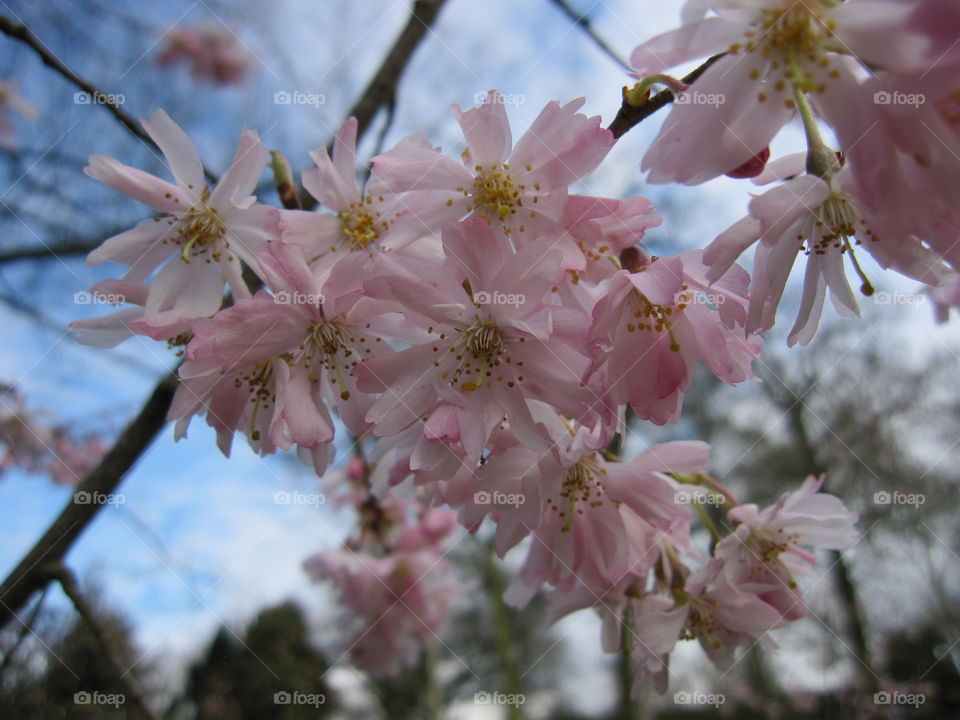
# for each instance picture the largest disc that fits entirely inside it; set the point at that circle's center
(62, 574)
(583, 22)
(29, 575)
(630, 115)
(27, 37)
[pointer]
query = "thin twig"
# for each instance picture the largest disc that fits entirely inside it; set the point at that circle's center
(28, 576)
(27, 37)
(583, 22)
(26, 627)
(630, 115)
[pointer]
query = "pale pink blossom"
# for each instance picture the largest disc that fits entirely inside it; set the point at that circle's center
(11, 102)
(493, 342)
(769, 48)
(652, 326)
(358, 220)
(282, 361)
(821, 219)
(203, 235)
(213, 54)
(520, 189)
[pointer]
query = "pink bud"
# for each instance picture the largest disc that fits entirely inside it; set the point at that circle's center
(752, 167)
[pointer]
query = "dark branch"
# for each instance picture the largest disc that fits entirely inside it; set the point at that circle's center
(71, 589)
(30, 575)
(630, 115)
(583, 22)
(26, 36)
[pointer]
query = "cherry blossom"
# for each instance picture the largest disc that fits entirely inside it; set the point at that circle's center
(203, 235)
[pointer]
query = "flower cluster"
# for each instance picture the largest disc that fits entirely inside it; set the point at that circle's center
(882, 75)
(213, 54)
(391, 577)
(489, 329)
(30, 443)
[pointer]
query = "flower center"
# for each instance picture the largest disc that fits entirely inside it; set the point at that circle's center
(362, 225)
(582, 483)
(478, 351)
(495, 195)
(201, 230)
(328, 345)
(649, 316)
(259, 381)
(794, 40)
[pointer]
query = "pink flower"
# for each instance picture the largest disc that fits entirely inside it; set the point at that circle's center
(492, 343)
(764, 552)
(520, 188)
(111, 330)
(289, 356)
(593, 521)
(822, 219)
(358, 221)
(203, 235)
(213, 54)
(652, 325)
(11, 101)
(393, 605)
(770, 47)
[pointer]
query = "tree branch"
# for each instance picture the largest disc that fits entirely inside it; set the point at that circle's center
(583, 22)
(25, 35)
(62, 574)
(630, 115)
(30, 575)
